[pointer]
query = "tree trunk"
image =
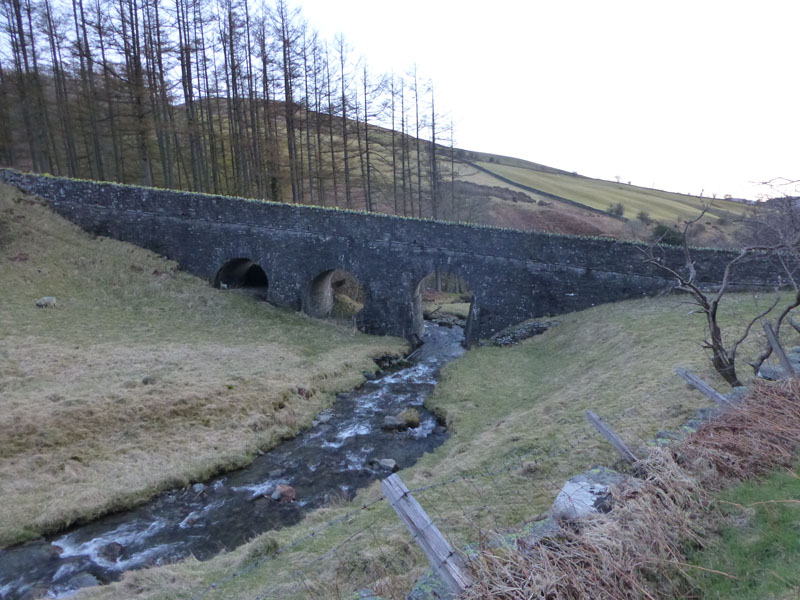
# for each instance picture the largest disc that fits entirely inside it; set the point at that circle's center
(394, 150)
(62, 98)
(289, 109)
(434, 166)
(347, 189)
(22, 68)
(417, 144)
(334, 168)
(87, 76)
(116, 145)
(366, 141)
(6, 141)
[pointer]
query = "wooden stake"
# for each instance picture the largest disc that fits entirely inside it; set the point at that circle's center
(702, 386)
(444, 561)
(612, 437)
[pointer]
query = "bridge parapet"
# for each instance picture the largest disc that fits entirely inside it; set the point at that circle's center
(514, 275)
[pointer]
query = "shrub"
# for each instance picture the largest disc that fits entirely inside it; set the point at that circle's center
(344, 307)
(667, 235)
(410, 417)
(616, 209)
(644, 217)
(725, 218)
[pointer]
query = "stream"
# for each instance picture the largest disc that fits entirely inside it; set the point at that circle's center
(330, 460)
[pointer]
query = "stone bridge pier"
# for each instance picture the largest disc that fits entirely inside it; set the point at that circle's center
(287, 252)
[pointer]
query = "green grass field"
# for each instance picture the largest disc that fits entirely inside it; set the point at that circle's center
(504, 406)
(662, 206)
(755, 555)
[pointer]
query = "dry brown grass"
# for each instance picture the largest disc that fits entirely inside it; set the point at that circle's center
(636, 551)
(143, 377)
(743, 443)
(504, 405)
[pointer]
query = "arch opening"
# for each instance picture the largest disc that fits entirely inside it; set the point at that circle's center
(444, 297)
(335, 294)
(242, 273)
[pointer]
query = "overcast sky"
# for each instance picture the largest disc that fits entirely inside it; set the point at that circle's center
(680, 95)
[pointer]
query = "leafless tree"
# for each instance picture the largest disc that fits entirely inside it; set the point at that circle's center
(222, 96)
(776, 222)
(723, 354)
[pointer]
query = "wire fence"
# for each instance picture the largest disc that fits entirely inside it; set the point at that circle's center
(365, 551)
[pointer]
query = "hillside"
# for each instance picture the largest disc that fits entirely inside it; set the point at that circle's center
(343, 162)
(142, 377)
(294, 130)
(572, 203)
(516, 418)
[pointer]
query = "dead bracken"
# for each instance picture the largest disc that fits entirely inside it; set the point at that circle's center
(636, 551)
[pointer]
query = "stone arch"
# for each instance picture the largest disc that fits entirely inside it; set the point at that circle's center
(451, 286)
(242, 273)
(334, 293)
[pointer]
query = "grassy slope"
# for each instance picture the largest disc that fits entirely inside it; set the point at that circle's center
(513, 162)
(542, 214)
(662, 206)
(80, 431)
(503, 405)
(554, 216)
(760, 546)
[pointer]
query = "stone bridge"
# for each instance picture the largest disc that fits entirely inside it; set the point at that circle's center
(513, 275)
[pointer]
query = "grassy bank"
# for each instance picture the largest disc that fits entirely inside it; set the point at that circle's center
(755, 553)
(505, 406)
(438, 304)
(638, 550)
(143, 377)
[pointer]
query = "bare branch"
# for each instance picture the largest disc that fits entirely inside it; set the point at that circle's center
(776, 181)
(795, 303)
(727, 274)
(756, 364)
(788, 272)
(722, 356)
(685, 242)
(758, 317)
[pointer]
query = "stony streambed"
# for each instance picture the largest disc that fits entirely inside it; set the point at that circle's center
(347, 447)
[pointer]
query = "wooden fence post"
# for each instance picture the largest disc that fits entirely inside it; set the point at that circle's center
(776, 346)
(444, 561)
(702, 386)
(612, 437)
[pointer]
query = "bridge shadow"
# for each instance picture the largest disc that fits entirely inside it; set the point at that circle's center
(243, 273)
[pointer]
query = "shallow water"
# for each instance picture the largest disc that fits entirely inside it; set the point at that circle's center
(333, 458)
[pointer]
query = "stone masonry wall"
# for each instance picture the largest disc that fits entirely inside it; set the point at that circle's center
(514, 275)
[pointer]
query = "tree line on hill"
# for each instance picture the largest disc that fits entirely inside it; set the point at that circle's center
(219, 96)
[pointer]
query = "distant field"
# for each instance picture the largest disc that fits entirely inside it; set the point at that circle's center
(512, 161)
(540, 214)
(662, 206)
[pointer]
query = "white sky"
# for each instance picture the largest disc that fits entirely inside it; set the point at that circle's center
(680, 95)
